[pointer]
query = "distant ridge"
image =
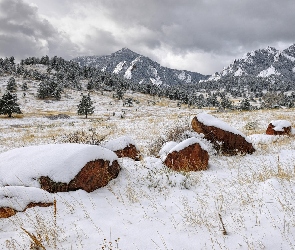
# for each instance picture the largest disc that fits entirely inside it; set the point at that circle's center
(267, 64)
(140, 69)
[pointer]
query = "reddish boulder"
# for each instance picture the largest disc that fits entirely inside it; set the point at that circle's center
(279, 127)
(189, 155)
(123, 147)
(94, 175)
(226, 139)
(6, 212)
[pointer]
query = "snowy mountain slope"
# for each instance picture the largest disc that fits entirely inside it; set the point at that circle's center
(131, 65)
(262, 63)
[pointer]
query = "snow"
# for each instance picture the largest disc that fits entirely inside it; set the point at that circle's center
(60, 162)
(279, 125)
(262, 139)
(119, 67)
(210, 120)
(156, 81)
(186, 143)
(214, 77)
(239, 72)
(166, 148)
(119, 143)
(268, 72)
(291, 58)
(18, 197)
(182, 76)
(128, 73)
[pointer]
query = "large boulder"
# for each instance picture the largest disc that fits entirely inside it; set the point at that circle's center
(279, 127)
(123, 147)
(15, 199)
(59, 167)
(226, 139)
(189, 155)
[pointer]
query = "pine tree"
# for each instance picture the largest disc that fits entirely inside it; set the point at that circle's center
(245, 104)
(85, 106)
(8, 105)
(11, 85)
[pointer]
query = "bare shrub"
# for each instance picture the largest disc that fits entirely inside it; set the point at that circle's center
(179, 132)
(83, 137)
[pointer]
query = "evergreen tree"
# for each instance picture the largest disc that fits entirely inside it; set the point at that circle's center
(85, 106)
(8, 104)
(11, 85)
(245, 104)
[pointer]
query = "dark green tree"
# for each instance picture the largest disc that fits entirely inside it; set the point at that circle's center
(11, 85)
(8, 105)
(245, 104)
(85, 106)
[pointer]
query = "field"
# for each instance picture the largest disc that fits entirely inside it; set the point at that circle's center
(240, 202)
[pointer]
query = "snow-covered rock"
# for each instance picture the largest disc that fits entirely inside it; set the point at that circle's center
(225, 138)
(67, 164)
(279, 127)
(123, 146)
(188, 155)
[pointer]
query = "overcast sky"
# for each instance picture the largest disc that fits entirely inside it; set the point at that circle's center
(197, 35)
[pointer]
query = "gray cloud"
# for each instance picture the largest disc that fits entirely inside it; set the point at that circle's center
(24, 32)
(212, 26)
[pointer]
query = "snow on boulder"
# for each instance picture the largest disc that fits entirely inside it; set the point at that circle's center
(123, 147)
(189, 155)
(226, 139)
(16, 198)
(59, 167)
(166, 148)
(279, 127)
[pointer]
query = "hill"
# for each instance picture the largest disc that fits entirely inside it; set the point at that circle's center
(262, 69)
(138, 68)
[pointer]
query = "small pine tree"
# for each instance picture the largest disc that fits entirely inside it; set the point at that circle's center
(245, 104)
(85, 106)
(25, 86)
(8, 105)
(11, 85)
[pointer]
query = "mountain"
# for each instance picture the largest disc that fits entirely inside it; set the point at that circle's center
(267, 64)
(138, 68)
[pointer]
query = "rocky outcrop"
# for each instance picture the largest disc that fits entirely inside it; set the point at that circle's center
(130, 151)
(226, 139)
(279, 127)
(123, 147)
(94, 175)
(189, 155)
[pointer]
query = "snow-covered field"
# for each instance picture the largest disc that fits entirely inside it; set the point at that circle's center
(240, 202)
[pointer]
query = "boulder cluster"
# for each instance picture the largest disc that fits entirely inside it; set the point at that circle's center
(188, 155)
(224, 138)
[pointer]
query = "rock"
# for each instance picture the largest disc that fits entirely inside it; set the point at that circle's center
(6, 212)
(226, 139)
(94, 175)
(189, 155)
(279, 127)
(123, 147)
(59, 167)
(15, 199)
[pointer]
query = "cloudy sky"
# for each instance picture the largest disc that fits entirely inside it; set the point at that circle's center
(197, 35)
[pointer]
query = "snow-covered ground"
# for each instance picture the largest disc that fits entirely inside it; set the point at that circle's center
(149, 206)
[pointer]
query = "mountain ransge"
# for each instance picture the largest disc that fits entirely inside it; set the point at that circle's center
(140, 69)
